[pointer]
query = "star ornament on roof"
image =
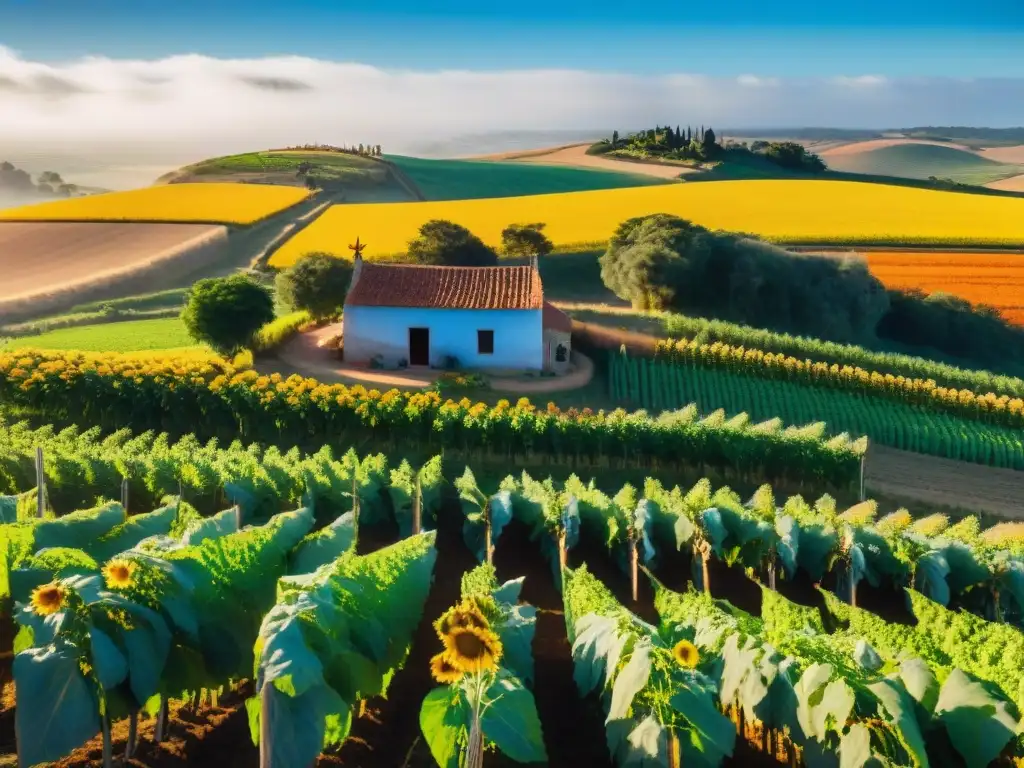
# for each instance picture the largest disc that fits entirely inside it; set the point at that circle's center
(357, 248)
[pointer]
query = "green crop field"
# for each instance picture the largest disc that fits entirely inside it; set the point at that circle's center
(665, 386)
(919, 161)
(130, 336)
(471, 179)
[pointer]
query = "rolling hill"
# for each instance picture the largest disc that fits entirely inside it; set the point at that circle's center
(474, 179)
(913, 160)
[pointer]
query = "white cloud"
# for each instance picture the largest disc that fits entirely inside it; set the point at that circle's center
(247, 103)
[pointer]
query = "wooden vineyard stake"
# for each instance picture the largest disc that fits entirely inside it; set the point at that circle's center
(266, 732)
(40, 483)
(133, 735)
(108, 748)
(417, 507)
(862, 478)
(355, 503)
(161, 721)
(238, 516)
(563, 557)
(124, 494)
(674, 759)
(489, 548)
(634, 570)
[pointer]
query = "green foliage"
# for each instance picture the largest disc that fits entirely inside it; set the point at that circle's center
(277, 332)
(333, 639)
(226, 312)
(874, 357)
(316, 283)
(445, 243)
(659, 386)
(525, 240)
(662, 261)
(649, 696)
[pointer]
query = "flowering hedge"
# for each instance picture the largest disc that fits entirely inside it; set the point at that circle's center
(213, 396)
(989, 407)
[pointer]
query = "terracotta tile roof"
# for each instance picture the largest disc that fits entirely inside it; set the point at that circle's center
(555, 319)
(410, 285)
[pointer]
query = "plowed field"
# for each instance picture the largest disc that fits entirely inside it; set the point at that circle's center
(39, 261)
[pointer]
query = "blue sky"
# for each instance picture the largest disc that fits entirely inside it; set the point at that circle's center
(798, 38)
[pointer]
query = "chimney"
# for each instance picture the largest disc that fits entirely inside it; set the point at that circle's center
(357, 268)
(533, 263)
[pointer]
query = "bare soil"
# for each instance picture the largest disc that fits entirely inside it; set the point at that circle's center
(1012, 184)
(47, 256)
(1004, 154)
(857, 147)
(576, 156)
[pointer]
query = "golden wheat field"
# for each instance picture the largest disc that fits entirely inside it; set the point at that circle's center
(787, 211)
(197, 203)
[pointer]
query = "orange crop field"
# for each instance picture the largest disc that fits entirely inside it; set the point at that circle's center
(993, 279)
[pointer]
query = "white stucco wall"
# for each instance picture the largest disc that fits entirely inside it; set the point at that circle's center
(384, 331)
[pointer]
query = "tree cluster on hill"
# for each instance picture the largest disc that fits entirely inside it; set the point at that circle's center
(48, 183)
(365, 150)
(665, 262)
(704, 145)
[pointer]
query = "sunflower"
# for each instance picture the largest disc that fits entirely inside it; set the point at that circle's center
(118, 573)
(472, 649)
(443, 670)
(48, 598)
(466, 614)
(686, 654)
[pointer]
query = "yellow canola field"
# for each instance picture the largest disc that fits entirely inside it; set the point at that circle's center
(207, 203)
(785, 211)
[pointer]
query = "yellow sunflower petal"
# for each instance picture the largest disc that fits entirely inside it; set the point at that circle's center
(472, 649)
(442, 670)
(686, 654)
(48, 598)
(119, 574)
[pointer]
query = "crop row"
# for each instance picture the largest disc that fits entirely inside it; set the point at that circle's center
(702, 330)
(663, 385)
(335, 627)
(161, 393)
(989, 407)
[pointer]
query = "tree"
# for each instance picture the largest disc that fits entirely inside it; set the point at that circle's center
(50, 177)
(225, 312)
(649, 257)
(689, 134)
(317, 283)
(709, 138)
(525, 240)
(446, 243)
(615, 138)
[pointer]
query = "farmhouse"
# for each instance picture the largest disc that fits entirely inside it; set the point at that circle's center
(453, 317)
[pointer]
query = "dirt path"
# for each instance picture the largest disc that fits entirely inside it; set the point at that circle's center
(576, 156)
(305, 355)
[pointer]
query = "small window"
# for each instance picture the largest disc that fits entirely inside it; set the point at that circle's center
(485, 342)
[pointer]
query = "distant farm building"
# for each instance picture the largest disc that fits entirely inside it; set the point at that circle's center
(453, 317)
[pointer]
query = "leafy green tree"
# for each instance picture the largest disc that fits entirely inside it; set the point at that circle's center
(445, 243)
(525, 240)
(615, 138)
(317, 283)
(226, 312)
